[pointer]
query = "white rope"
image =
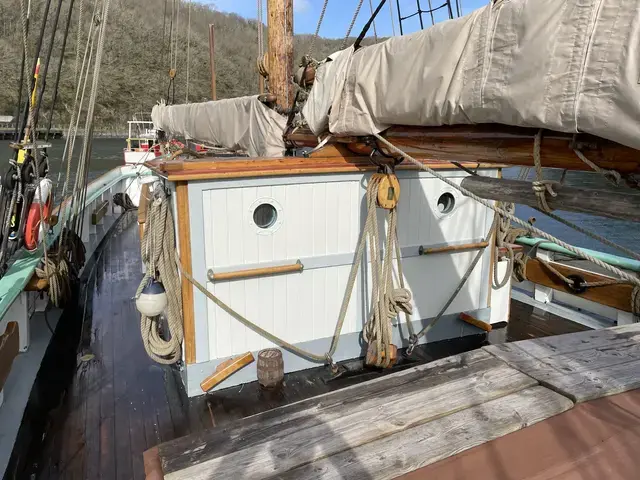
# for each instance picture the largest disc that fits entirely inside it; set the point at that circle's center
(577, 251)
(386, 300)
(393, 25)
(353, 22)
(317, 32)
(375, 31)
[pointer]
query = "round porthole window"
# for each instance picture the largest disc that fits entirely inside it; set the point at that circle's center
(265, 215)
(446, 203)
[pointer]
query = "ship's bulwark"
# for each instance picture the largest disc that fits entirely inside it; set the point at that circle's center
(569, 66)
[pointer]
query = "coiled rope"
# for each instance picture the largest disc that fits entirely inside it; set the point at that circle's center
(387, 301)
(158, 248)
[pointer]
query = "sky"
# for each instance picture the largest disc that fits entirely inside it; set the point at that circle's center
(340, 12)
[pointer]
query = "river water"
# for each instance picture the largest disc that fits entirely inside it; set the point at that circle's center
(108, 153)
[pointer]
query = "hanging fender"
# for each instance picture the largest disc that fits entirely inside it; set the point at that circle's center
(35, 228)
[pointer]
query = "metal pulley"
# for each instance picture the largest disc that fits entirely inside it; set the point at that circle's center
(388, 190)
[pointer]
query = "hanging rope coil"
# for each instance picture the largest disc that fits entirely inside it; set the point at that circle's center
(387, 301)
(158, 249)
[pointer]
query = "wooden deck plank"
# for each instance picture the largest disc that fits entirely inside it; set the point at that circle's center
(582, 366)
(404, 452)
(210, 442)
(322, 431)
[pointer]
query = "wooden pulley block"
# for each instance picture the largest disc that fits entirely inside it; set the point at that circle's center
(372, 355)
(388, 190)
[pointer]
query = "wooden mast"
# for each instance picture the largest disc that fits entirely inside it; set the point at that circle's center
(212, 64)
(280, 50)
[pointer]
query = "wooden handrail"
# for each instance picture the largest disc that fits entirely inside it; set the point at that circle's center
(255, 272)
(452, 248)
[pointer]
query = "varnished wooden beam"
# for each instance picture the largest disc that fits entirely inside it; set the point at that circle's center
(616, 296)
(184, 238)
(623, 203)
(492, 143)
(210, 168)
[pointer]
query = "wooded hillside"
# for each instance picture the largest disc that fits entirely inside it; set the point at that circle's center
(136, 61)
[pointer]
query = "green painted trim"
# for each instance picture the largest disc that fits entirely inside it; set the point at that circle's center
(615, 260)
(25, 263)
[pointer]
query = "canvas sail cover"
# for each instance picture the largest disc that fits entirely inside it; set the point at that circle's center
(243, 123)
(564, 65)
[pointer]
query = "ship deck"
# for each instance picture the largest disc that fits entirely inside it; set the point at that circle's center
(115, 403)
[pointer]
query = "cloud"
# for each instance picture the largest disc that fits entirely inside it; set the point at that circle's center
(301, 6)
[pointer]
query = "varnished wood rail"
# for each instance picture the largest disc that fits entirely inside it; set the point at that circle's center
(452, 248)
(255, 272)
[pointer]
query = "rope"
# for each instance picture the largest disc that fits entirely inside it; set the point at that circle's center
(78, 40)
(610, 175)
(158, 249)
(317, 32)
(541, 186)
(375, 32)
(353, 22)
(188, 53)
(387, 300)
(393, 25)
(415, 337)
(530, 228)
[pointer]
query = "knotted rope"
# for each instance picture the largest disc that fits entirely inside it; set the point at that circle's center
(158, 254)
(541, 186)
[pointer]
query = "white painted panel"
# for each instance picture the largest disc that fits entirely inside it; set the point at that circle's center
(318, 219)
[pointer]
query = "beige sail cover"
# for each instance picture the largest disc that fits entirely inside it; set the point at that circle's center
(243, 123)
(565, 65)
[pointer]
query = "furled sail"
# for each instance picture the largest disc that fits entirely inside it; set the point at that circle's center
(564, 65)
(242, 123)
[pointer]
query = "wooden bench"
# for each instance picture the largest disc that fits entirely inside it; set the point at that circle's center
(99, 212)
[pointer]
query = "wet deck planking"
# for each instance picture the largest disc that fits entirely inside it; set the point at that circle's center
(121, 403)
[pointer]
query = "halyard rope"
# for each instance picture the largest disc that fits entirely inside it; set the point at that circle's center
(577, 251)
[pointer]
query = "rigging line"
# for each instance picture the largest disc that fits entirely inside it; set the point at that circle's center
(375, 31)
(367, 25)
(75, 118)
(541, 233)
(78, 40)
(353, 22)
(59, 71)
(88, 134)
(45, 67)
(173, 9)
(393, 25)
(175, 54)
(261, 30)
(317, 32)
(188, 52)
(27, 104)
(26, 16)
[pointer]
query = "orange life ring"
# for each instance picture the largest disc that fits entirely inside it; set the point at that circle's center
(32, 228)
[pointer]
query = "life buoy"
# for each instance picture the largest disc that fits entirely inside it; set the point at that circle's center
(34, 230)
